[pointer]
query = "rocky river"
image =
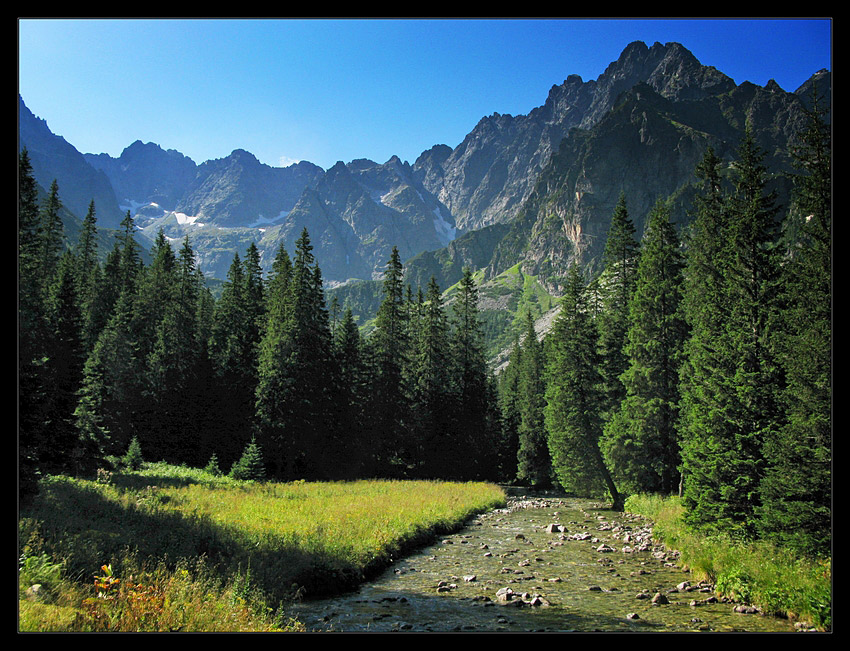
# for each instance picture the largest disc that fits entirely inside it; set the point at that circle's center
(543, 564)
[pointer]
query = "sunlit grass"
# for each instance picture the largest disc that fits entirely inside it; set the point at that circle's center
(191, 538)
(759, 573)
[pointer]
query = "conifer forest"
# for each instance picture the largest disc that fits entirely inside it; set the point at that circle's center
(697, 363)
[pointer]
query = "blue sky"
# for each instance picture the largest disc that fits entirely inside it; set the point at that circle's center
(329, 90)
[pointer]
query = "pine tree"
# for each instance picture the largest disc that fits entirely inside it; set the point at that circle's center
(296, 376)
(390, 402)
(640, 440)
(617, 285)
(475, 418)
(731, 381)
(133, 459)
(573, 401)
(50, 235)
(796, 488)
(534, 466)
(509, 412)
(272, 408)
(250, 466)
(63, 368)
(352, 384)
(432, 397)
(113, 385)
(234, 341)
(31, 338)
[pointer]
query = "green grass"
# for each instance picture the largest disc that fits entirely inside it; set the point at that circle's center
(759, 573)
(199, 552)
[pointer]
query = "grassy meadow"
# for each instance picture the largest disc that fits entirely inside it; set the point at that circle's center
(759, 573)
(173, 548)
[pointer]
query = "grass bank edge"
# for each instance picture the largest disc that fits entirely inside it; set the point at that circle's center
(129, 496)
(759, 573)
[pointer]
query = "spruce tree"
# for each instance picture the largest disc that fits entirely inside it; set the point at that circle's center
(233, 348)
(295, 389)
(273, 384)
(50, 235)
(351, 387)
(617, 285)
(797, 485)
(732, 381)
(432, 397)
(573, 400)
(390, 392)
(475, 419)
(640, 440)
(63, 369)
(250, 466)
(509, 412)
(534, 466)
(31, 338)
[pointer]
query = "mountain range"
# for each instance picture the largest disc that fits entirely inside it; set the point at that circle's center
(518, 200)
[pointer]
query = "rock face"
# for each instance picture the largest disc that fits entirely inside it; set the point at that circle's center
(53, 158)
(487, 177)
(147, 175)
(536, 189)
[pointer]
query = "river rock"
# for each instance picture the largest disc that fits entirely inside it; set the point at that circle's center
(660, 599)
(556, 528)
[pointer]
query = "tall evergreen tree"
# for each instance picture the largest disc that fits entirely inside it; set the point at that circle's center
(63, 368)
(50, 235)
(352, 385)
(640, 440)
(391, 394)
(234, 341)
(731, 385)
(31, 337)
(113, 381)
(509, 412)
(273, 383)
(432, 396)
(617, 285)
(174, 363)
(573, 402)
(475, 418)
(534, 466)
(295, 389)
(797, 485)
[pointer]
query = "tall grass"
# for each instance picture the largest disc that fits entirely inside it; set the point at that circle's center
(758, 573)
(182, 534)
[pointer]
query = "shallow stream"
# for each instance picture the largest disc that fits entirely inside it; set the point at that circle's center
(542, 564)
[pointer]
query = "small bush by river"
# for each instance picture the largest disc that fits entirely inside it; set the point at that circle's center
(169, 548)
(759, 573)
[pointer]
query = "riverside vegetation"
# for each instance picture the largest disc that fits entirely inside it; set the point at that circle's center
(173, 548)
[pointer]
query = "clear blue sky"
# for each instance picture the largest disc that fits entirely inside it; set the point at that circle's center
(330, 90)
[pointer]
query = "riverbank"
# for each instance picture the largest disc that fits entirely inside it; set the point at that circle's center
(757, 575)
(251, 546)
(542, 563)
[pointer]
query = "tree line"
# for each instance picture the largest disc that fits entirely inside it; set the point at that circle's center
(124, 355)
(697, 363)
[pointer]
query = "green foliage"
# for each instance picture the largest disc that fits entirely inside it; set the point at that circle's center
(250, 466)
(133, 458)
(640, 441)
(760, 573)
(573, 400)
(534, 464)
